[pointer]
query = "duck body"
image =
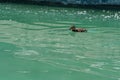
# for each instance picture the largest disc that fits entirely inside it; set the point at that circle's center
(74, 29)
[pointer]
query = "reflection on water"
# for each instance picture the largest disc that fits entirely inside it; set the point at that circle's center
(44, 48)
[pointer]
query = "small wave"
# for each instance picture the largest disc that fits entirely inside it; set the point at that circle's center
(68, 22)
(6, 22)
(27, 53)
(23, 72)
(98, 65)
(35, 29)
(50, 24)
(116, 68)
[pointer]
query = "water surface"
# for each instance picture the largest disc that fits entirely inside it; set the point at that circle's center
(35, 43)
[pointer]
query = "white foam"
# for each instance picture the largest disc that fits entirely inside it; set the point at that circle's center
(81, 12)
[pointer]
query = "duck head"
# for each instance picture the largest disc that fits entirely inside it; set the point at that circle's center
(72, 28)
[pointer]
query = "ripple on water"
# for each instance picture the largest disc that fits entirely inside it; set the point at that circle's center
(27, 54)
(51, 24)
(23, 72)
(78, 52)
(98, 65)
(68, 22)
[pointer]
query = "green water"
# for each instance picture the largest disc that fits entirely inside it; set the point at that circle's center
(35, 43)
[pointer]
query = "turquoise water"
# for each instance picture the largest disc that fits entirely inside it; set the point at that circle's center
(35, 43)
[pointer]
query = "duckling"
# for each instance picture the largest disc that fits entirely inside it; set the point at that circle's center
(74, 29)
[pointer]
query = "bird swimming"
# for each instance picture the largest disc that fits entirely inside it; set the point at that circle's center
(74, 29)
